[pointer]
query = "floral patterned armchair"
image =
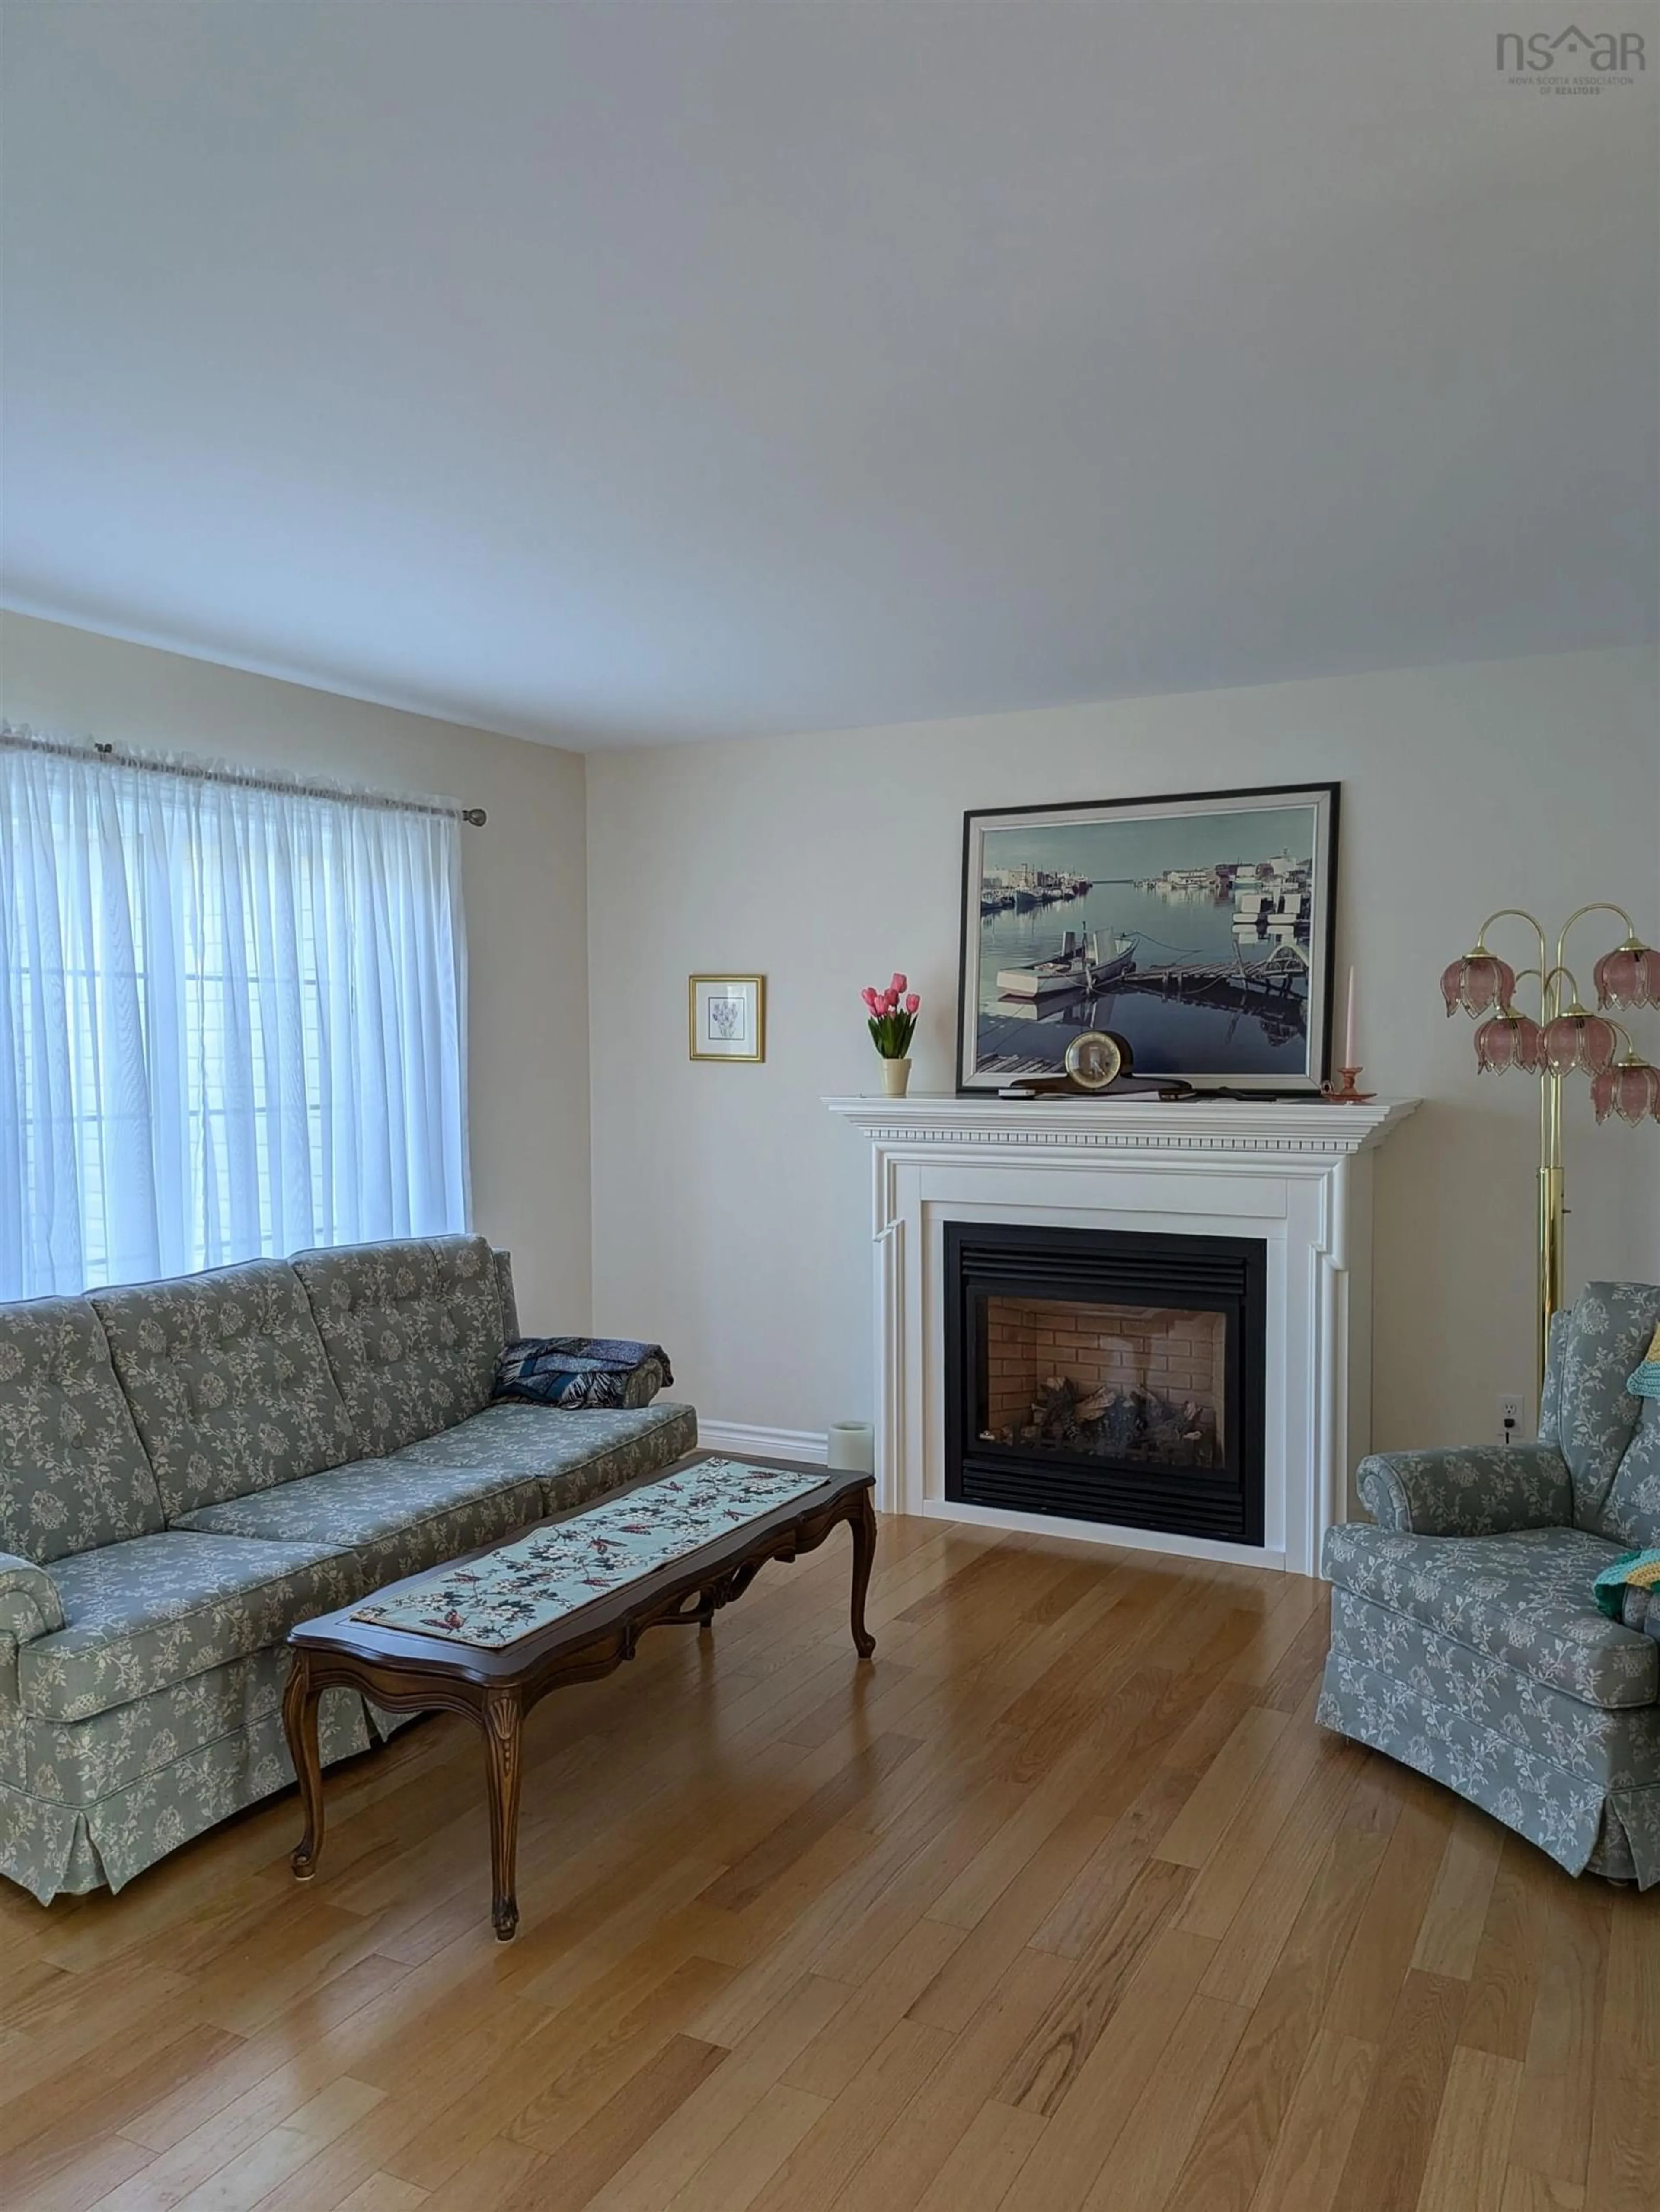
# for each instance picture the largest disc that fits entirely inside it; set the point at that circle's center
(1466, 1641)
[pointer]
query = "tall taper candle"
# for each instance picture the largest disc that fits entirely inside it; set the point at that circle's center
(1349, 1059)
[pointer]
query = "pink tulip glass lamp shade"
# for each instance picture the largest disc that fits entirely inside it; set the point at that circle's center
(1579, 1040)
(1508, 1039)
(1567, 1039)
(1479, 983)
(1628, 976)
(1631, 1090)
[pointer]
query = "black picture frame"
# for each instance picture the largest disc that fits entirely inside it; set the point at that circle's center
(1260, 1022)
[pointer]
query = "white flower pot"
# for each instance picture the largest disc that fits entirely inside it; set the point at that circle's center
(895, 1076)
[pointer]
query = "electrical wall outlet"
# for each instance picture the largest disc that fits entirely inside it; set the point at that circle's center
(1513, 1416)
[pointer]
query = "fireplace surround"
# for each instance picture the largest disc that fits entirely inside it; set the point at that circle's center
(1294, 1177)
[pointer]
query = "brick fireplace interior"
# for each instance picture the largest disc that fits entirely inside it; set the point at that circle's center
(1149, 1382)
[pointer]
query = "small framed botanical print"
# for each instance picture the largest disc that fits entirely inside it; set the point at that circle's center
(726, 1017)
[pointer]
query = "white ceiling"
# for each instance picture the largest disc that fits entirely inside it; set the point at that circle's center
(611, 372)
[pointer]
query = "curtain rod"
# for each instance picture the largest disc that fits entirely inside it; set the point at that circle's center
(227, 772)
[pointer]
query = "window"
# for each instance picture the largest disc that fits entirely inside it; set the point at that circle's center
(233, 1022)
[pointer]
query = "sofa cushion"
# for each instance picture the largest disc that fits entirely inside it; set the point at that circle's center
(73, 1473)
(144, 1615)
(575, 1458)
(412, 1330)
(395, 1518)
(1610, 1326)
(1524, 1598)
(228, 1382)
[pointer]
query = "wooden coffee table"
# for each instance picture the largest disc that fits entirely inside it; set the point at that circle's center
(406, 1671)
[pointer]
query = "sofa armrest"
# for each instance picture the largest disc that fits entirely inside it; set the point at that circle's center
(1481, 1490)
(643, 1385)
(29, 1603)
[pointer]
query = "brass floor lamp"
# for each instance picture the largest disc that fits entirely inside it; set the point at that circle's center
(1567, 1039)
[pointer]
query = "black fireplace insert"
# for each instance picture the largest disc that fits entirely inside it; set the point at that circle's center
(1106, 1375)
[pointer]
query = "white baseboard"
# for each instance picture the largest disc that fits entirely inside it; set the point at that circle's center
(765, 1443)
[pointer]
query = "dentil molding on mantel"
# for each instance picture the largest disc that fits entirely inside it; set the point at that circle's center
(1230, 1126)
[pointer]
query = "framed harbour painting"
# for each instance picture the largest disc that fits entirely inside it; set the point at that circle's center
(1197, 927)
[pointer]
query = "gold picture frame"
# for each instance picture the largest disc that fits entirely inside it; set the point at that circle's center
(727, 1018)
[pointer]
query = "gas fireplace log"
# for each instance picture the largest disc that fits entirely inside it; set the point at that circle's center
(1111, 1424)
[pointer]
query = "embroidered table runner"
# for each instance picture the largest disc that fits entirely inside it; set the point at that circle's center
(495, 1601)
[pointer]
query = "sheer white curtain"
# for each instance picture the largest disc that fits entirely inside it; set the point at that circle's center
(233, 1019)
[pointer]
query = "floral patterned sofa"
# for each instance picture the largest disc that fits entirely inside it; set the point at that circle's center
(1465, 1639)
(188, 1467)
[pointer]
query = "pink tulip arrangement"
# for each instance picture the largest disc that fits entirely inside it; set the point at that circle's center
(892, 1017)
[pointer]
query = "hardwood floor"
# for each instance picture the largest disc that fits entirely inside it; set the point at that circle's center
(1065, 1905)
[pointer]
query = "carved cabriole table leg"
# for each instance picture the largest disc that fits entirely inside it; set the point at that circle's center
(863, 1524)
(504, 1718)
(300, 1703)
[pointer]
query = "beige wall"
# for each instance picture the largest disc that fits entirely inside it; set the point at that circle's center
(524, 888)
(731, 1213)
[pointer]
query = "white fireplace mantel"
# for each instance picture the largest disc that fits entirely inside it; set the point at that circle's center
(1297, 1174)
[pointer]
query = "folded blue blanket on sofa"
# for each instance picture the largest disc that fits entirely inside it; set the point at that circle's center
(576, 1371)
